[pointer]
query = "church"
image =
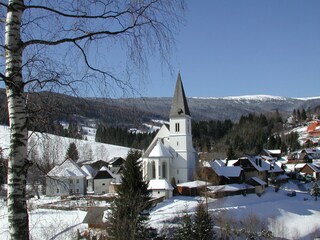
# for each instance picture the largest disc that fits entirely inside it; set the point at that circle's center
(171, 158)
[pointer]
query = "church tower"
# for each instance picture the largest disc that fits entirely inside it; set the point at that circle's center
(184, 162)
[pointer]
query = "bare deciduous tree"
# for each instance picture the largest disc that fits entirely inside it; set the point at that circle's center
(44, 43)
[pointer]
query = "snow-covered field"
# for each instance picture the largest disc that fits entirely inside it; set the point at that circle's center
(290, 217)
(56, 147)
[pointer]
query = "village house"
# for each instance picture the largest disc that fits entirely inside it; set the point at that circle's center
(313, 128)
(102, 181)
(226, 174)
(307, 169)
(66, 179)
(256, 166)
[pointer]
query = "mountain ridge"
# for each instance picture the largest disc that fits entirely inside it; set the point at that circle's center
(131, 112)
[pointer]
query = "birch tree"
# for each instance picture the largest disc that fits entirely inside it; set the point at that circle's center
(63, 46)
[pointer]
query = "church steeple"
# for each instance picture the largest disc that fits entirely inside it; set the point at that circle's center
(179, 105)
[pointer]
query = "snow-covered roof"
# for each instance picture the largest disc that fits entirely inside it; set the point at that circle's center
(272, 151)
(222, 170)
(258, 163)
(259, 181)
(104, 173)
(160, 151)
(158, 184)
(193, 184)
(89, 171)
(299, 165)
(231, 162)
(229, 187)
(68, 168)
(162, 133)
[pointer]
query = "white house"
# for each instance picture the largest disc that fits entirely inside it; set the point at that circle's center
(102, 181)
(65, 179)
(171, 155)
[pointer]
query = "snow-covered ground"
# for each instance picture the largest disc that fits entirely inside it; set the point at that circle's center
(289, 217)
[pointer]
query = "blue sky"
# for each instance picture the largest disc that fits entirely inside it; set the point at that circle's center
(233, 47)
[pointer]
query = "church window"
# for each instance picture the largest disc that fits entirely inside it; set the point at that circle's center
(153, 170)
(164, 170)
(177, 171)
(177, 127)
(177, 143)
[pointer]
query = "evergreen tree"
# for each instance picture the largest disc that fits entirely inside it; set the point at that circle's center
(127, 220)
(185, 231)
(72, 152)
(272, 142)
(203, 223)
(231, 154)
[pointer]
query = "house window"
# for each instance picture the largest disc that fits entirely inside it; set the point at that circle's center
(177, 171)
(103, 184)
(177, 127)
(77, 180)
(58, 190)
(78, 190)
(70, 191)
(70, 181)
(177, 143)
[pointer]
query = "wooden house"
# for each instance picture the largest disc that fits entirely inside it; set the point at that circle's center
(193, 188)
(226, 174)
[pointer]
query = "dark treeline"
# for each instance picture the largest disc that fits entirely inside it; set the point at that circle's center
(252, 132)
(206, 133)
(121, 136)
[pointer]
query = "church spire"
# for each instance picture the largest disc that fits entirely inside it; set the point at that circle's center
(179, 105)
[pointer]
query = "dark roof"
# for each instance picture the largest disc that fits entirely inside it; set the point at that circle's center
(179, 105)
(116, 161)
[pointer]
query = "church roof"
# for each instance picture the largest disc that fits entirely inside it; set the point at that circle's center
(157, 184)
(162, 133)
(179, 105)
(160, 151)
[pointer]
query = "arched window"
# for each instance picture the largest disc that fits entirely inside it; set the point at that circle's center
(153, 166)
(164, 170)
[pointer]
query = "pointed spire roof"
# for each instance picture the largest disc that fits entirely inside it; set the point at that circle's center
(179, 105)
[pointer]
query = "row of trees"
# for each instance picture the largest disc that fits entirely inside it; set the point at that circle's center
(121, 136)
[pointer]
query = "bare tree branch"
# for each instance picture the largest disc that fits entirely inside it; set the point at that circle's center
(104, 15)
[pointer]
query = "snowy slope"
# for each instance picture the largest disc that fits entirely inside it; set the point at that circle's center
(56, 147)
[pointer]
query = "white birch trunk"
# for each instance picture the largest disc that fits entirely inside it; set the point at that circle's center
(18, 163)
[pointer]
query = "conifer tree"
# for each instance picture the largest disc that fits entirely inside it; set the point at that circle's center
(72, 152)
(203, 223)
(127, 220)
(184, 232)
